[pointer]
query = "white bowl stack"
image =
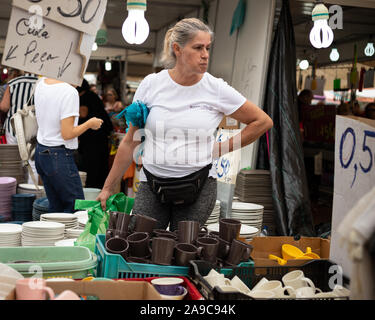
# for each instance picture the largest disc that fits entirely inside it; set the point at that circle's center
(215, 215)
(65, 243)
(30, 188)
(70, 221)
(10, 235)
(250, 214)
(42, 233)
(82, 218)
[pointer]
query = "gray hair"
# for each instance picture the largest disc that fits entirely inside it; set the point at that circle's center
(181, 33)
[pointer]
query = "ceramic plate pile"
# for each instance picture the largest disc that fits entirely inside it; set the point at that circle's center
(10, 235)
(82, 218)
(250, 214)
(69, 220)
(22, 206)
(42, 233)
(11, 163)
(65, 243)
(72, 233)
(25, 188)
(246, 232)
(215, 215)
(255, 186)
(83, 176)
(40, 206)
(8, 186)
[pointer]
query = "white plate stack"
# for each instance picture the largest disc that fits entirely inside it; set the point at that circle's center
(72, 233)
(82, 218)
(65, 243)
(250, 214)
(215, 215)
(69, 220)
(30, 188)
(246, 232)
(42, 233)
(8, 186)
(10, 235)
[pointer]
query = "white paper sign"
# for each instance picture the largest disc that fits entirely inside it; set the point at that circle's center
(58, 50)
(227, 166)
(354, 175)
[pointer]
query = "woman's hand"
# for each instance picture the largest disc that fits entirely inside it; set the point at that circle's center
(103, 197)
(95, 123)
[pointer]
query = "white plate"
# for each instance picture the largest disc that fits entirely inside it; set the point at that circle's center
(43, 225)
(65, 243)
(245, 206)
(83, 221)
(244, 228)
(30, 187)
(9, 228)
(59, 216)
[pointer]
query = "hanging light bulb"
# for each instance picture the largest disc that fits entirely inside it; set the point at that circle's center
(304, 65)
(370, 50)
(108, 65)
(5, 71)
(334, 56)
(321, 35)
(94, 46)
(135, 29)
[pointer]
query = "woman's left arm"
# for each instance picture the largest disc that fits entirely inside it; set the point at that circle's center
(257, 123)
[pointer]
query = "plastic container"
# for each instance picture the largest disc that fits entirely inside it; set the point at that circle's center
(114, 266)
(317, 270)
(73, 262)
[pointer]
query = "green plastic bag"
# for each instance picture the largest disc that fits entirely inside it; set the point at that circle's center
(98, 219)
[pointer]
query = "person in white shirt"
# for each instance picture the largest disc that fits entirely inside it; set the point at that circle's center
(57, 113)
(186, 105)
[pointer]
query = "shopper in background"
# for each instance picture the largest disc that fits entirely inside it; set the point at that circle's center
(93, 148)
(180, 98)
(57, 113)
(114, 106)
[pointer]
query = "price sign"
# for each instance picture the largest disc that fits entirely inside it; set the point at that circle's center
(53, 38)
(354, 174)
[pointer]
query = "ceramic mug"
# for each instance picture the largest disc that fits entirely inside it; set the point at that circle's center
(209, 247)
(185, 252)
(144, 224)
(139, 244)
(239, 285)
(239, 251)
(33, 289)
(117, 245)
(229, 229)
(188, 231)
(297, 279)
(162, 250)
(276, 287)
(306, 292)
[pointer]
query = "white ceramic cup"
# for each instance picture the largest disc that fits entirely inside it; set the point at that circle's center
(325, 295)
(306, 292)
(239, 285)
(228, 288)
(217, 280)
(276, 287)
(296, 279)
(261, 294)
(341, 292)
(260, 283)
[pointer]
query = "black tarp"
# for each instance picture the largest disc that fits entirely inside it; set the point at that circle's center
(285, 160)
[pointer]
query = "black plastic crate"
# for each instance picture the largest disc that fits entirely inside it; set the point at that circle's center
(319, 271)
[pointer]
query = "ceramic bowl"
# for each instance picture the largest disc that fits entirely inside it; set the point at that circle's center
(176, 297)
(168, 286)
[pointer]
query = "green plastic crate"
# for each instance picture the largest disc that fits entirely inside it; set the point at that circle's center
(114, 266)
(72, 262)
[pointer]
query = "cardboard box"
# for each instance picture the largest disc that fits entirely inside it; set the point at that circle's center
(264, 246)
(106, 290)
(229, 123)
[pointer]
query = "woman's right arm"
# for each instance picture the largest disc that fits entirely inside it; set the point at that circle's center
(123, 160)
(69, 131)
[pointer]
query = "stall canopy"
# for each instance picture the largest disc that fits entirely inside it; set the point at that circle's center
(281, 149)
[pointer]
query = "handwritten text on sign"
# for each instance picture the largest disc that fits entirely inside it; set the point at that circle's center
(354, 174)
(55, 50)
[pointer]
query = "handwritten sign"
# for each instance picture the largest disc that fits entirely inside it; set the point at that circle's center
(228, 165)
(60, 46)
(354, 175)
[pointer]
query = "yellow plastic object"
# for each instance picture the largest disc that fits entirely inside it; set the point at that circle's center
(278, 259)
(88, 279)
(290, 252)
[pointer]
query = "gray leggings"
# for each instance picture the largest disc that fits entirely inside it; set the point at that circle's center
(146, 203)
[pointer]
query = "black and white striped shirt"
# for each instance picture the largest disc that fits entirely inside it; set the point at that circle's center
(20, 91)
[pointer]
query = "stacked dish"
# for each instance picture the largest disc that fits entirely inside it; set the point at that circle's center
(246, 232)
(40, 206)
(83, 217)
(65, 243)
(22, 206)
(30, 188)
(42, 233)
(8, 186)
(250, 214)
(215, 215)
(11, 163)
(69, 220)
(10, 235)
(72, 233)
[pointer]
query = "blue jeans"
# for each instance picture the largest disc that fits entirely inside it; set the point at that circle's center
(60, 177)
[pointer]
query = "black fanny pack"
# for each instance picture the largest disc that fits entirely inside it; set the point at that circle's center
(178, 191)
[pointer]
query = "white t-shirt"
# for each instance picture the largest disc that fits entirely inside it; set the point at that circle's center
(180, 128)
(53, 103)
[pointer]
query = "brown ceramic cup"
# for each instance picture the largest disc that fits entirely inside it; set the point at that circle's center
(117, 246)
(137, 260)
(184, 252)
(144, 224)
(209, 247)
(139, 244)
(214, 234)
(162, 251)
(224, 247)
(188, 231)
(239, 251)
(229, 229)
(113, 215)
(110, 233)
(165, 233)
(123, 221)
